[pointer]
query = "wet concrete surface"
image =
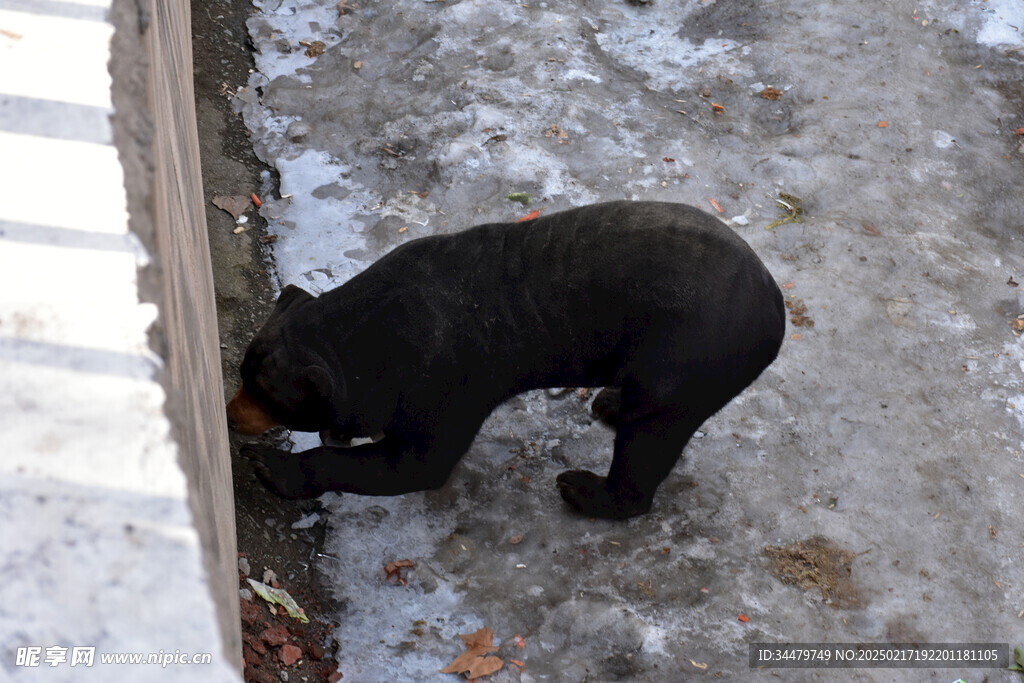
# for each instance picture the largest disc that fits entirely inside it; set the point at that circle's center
(890, 427)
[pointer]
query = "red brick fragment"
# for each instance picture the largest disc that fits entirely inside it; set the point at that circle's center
(289, 654)
(277, 635)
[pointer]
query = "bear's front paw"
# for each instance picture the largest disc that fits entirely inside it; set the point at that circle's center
(588, 493)
(289, 475)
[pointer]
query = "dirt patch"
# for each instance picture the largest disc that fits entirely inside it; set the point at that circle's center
(273, 641)
(245, 294)
(816, 563)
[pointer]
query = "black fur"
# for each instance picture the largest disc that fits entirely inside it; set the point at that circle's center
(660, 301)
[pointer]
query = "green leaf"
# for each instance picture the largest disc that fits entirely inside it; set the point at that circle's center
(281, 597)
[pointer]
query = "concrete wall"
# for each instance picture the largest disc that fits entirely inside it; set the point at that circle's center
(115, 491)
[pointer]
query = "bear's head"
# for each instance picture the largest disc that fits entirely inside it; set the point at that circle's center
(284, 380)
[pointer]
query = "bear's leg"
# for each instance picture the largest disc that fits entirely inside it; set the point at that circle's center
(646, 448)
(386, 468)
(414, 459)
(606, 405)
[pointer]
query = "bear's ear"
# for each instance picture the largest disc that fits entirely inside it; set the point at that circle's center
(333, 394)
(290, 295)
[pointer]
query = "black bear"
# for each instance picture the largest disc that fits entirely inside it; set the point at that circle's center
(661, 303)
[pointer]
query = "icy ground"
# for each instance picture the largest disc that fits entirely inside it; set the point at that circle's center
(891, 428)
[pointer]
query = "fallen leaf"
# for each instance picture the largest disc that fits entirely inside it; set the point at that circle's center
(518, 663)
(771, 93)
(883, 124)
(717, 108)
(788, 285)
(520, 643)
(556, 131)
(798, 313)
(528, 217)
(280, 596)
(872, 229)
(715, 204)
(699, 665)
(743, 617)
(473, 661)
(668, 160)
(236, 204)
(313, 48)
(393, 570)
(516, 540)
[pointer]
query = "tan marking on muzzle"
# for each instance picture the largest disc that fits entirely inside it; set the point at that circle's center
(248, 417)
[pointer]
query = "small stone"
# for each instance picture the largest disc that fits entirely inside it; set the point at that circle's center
(243, 566)
(316, 651)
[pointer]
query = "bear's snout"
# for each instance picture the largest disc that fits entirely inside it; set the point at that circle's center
(245, 416)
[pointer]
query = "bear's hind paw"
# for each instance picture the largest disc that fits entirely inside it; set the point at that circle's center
(588, 493)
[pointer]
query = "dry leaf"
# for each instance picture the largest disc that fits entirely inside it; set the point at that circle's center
(473, 661)
(771, 93)
(236, 205)
(314, 48)
(556, 131)
(394, 570)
